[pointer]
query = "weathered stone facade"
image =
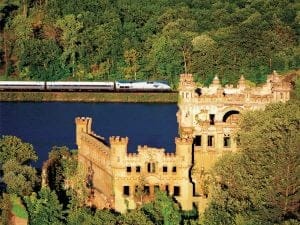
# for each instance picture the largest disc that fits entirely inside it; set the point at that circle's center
(207, 119)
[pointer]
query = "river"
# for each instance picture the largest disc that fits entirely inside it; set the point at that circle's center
(47, 124)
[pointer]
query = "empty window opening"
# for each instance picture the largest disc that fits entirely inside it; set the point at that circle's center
(231, 116)
(210, 140)
(198, 91)
(151, 167)
(147, 190)
(167, 189)
(138, 169)
(128, 169)
(197, 140)
(165, 169)
(126, 190)
(156, 188)
(174, 169)
(212, 119)
(227, 142)
(176, 191)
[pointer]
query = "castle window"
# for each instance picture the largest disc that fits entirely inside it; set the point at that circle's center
(156, 188)
(128, 169)
(147, 190)
(210, 141)
(212, 119)
(138, 169)
(176, 191)
(197, 140)
(126, 190)
(165, 169)
(227, 142)
(174, 169)
(167, 189)
(151, 167)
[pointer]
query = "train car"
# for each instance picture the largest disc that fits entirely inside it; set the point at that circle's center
(79, 86)
(22, 85)
(142, 86)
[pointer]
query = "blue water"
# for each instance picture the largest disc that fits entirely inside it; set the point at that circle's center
(48, 124)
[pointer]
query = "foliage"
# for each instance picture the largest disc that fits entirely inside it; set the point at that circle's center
(18, 208)
(5, 209)
(13, 148)
(129, 39)
(44, 208)
(15, 156)
(163, 210)
(259, 184)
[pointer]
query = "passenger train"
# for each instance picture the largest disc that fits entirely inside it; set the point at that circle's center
(142, 86)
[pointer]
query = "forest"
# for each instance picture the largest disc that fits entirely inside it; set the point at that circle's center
(148, 40)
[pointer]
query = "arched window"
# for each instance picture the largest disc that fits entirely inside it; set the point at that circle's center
(231, 116)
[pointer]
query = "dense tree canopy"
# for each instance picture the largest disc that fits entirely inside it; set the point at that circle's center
(15, 157)
(131, 39)
(260, 184)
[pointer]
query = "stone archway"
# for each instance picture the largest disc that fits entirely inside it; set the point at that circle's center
(231, 116)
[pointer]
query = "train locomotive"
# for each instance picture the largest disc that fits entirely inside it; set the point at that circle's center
(118, 86)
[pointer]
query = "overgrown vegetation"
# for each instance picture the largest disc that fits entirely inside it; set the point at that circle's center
(260, 183)
(131, 39)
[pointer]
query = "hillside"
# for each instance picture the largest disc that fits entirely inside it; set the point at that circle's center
(156, 40)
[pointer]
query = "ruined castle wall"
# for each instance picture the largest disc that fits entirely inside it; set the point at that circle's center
(94, 155)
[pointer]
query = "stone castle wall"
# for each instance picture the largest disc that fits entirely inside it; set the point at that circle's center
(207, 119)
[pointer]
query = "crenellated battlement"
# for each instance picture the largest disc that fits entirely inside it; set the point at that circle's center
(83, 120)
(117, 140)
(183, 141)
(186, 81)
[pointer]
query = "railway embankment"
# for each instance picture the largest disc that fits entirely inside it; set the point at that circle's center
(133, 97)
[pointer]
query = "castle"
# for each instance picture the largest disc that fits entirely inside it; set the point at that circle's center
(207, 119)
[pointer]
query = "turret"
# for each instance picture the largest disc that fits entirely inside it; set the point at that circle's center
(118, 147)
(242, 83)
(184, 150)
(280, 88)
(215, 82)
(186, 87)
(83, 125)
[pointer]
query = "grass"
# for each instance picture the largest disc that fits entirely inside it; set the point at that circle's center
(90, 97)
(18, 208)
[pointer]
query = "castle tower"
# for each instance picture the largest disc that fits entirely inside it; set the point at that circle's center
(184, 157)
(186, 89)
(280, 89)
(83, 125)
(184, 151)
(118, 147)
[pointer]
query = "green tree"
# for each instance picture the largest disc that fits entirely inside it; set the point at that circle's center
(41, 60)
(15, 158)
(44, 208)
(71, 28)
(5, 209)
(163, 210)
(131, 58)
(134, 217)
(13, 148)
(55, 167)
(259, 184)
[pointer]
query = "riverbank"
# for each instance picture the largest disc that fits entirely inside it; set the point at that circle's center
(88, 97)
